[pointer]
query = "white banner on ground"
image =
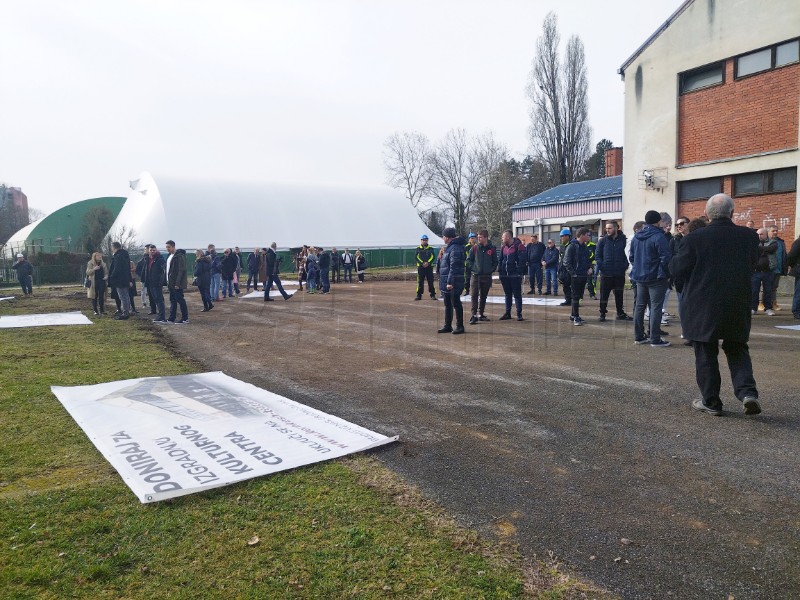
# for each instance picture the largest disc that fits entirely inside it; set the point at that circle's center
(6, 298)
(502, 300)
(172, 436)
(272, 294)
(43, 320)
(794, 327)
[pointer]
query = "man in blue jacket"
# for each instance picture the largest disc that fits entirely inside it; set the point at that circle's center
(579, 266)
(535, 253)
(612, 264)
(451, 275)
(550, 260)
(650, 255)
(512, 267)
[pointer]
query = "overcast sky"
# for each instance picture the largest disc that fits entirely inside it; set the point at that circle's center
(94, 92)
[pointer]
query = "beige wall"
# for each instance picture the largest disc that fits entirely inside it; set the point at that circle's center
(705, 32)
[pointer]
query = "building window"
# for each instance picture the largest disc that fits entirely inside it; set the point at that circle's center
(702, 77)
(765, 182)
(768, 58)
(699, 189)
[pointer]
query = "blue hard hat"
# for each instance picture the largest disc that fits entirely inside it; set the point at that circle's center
(424, 237)
(472, 235)
(565, 231)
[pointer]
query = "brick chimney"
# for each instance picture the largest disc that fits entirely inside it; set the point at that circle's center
(613, 162)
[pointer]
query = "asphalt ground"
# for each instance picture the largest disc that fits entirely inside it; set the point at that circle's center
(571, 442)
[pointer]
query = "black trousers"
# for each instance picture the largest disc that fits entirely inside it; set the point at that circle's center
(707, 370)
(426, 274)
(156, 295)
(578, 284)
(608, 283)
(452, 301)
(176, 299)
(512, 287)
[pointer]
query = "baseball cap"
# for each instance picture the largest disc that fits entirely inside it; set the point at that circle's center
(565, 231)
(424, 237)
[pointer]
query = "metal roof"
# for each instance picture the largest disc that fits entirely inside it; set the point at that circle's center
(608, 187)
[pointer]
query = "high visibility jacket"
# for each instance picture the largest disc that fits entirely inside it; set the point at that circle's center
(425, 254)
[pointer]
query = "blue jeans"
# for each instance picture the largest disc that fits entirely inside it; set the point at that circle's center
(227, 288)
(512, 286)
(312, 281)
(215, 286)
(762, 279)
(324, 276)
(652, 293)
(156, 294)
(254, 278)
(551, 276)
(348, 273)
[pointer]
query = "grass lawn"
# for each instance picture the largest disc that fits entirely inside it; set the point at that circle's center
(71, 528)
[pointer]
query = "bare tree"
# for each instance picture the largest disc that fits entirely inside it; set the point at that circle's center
(406, 158)
(123, 234)
(458, 169)
(34, 214)
(501, 193)
(560, 129)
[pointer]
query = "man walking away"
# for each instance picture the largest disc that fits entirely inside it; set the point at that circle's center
(482, 262)
(177, 281)
(424, 259)
(612, 265)
(715, 264)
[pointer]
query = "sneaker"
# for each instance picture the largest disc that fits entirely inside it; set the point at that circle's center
(602, 319)
(505, 317)
(698, 405)
(665, 322)
(751, 405)
(473, 320)
(433, 297)
(485, 318)
(769, 312)
(641, 341)
(162, 321)
(660, 344)
(624, 317)
(97, 313)
(182, 322)
(520, 318)
(752, 312)
(577, 321)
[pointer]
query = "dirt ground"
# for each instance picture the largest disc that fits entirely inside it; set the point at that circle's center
(569, 441)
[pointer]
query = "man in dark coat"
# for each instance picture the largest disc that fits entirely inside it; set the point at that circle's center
(177, 282)
(273, 273)
(579, 266)
(24, 271)
(715, 264)
(535, 252)
(252, 269)
(451, 275)
(512, 266)
(154, 277)
(119, 278)
(612, 264)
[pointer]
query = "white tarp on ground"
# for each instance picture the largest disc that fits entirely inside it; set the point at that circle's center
(172, 436)
(794, 327)
(7, 298)
(196, 213)
(502, 300)
(44, 320)
(272, 294)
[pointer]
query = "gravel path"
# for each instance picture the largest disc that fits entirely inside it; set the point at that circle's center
(565, 440)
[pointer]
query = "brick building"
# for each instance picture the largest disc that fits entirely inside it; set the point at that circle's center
(13, 211)
(711, 105)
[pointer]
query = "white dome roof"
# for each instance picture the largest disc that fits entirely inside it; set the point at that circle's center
(197, 213)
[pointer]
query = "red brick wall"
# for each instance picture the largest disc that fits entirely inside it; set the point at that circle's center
(764, 211)
(613, 162)
(755, 114)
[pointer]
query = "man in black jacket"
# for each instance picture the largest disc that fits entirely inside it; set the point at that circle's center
(177, 282)
(612, 264)
(336, 270)
(119, 278)
(154, 277)
(535, 254)
(579, 267)
(482, 261)
(273, 273)
(324, 270)
(715, 264)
